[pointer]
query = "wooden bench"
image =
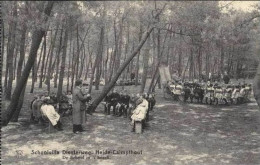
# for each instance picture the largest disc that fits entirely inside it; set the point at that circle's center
(139, 125)
(51, 129)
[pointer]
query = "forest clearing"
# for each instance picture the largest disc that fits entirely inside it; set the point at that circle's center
(130, 82)
(176, 134)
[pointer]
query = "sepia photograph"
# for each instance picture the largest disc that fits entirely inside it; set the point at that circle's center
(145, 82)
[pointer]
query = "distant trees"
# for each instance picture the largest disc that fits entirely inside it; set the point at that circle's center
(193, 38)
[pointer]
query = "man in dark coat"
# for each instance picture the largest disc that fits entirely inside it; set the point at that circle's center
(151, 101)
(114, 100)
(119, 104)
(132, 76)
(132, 104)
(108, 103)
(146, 97)
(79, 102)
(124, 104)
(226, 78)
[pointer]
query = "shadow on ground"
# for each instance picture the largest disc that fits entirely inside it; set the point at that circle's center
(176, 134)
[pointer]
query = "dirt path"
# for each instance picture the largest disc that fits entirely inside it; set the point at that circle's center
(177, 134)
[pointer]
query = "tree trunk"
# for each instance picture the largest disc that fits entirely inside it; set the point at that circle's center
(186, 67)
(146, 56)
(47, 60)
(114, 60)
(222, 56)
(106, 61)
(180, 56)
(207, 63)
(53, 65)
(83, 56)
(120, 40)
(92, 75)
(111, 84)
(191, 64)
(43, 60)
(15, 61)
(38, 64)
(34, 75)
(19, 106)
(11, 54)
(138, 57)
(77, 57)
(126, 49)
(89, 61)
(200, 61)
(159, 51)
(73, 67)
(99, 53)
(3, 45)
(98, 58)
(58, 60)
(7, 52)
(132, 62)
(157, 80)
(154, 54)
(22, 53)
(111, 66)
(36, 40)
(70, 64)
(63, 60)
(48, 77)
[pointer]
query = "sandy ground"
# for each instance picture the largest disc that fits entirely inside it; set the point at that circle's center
(176, 134)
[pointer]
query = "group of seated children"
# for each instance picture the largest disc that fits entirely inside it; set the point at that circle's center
(136, 107)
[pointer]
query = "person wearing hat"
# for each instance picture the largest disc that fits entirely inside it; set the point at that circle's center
(48, 110)
(226, 78)
(79, 102)
(125, 103)
(115, 96)
(35, 109)
(108, 103)
(119, 105)
(152, 101)
(132, 104)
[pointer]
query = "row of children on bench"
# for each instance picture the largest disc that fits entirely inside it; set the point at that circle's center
(123, 104)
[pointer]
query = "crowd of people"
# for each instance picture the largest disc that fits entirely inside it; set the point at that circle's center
(48, 107)
(210, 93)
(136, 107)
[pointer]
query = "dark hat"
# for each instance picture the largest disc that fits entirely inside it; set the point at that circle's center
(78, 82)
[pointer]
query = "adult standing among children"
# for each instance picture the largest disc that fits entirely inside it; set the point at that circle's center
(84, 90)
(79, 101)
(226, 78)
